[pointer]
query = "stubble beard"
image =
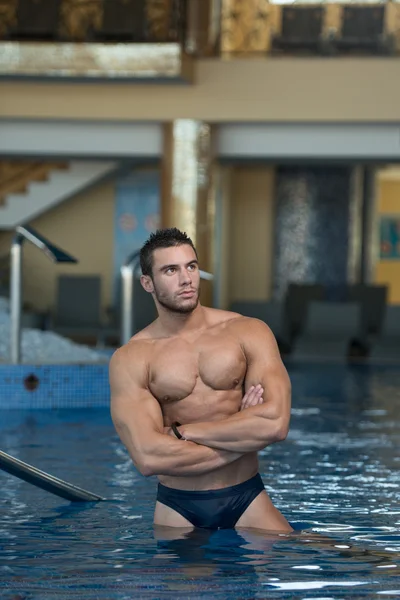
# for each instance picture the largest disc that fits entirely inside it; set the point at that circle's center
(172, 306)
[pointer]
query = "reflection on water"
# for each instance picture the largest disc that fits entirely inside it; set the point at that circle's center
(336, 478)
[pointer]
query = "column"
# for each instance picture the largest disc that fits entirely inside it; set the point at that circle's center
(188, 198)
(246, 26)
(369, 225)
(203, 27)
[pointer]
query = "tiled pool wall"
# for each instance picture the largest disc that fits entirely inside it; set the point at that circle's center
(54, 386)
(87, 385)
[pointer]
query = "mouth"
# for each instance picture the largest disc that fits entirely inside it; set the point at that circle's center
(187, 293)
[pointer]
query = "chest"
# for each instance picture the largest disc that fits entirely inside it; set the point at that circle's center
(179, 367)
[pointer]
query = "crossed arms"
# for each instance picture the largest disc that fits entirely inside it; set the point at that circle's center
(138, 418)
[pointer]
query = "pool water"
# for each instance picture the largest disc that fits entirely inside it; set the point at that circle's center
(336, 478)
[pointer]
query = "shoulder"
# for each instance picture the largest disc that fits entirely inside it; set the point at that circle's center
(257, 341)
(238, 324)
(138, 347)
(130, 361)
(148, 333)
(216, 316)
(250, 330)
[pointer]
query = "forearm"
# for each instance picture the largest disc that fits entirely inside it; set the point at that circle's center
(244, 432)
(166, 455)
(184, 458)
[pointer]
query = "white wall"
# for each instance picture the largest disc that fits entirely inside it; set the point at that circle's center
(272, 141)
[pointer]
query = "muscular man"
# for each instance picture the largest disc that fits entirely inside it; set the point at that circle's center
(195, 396)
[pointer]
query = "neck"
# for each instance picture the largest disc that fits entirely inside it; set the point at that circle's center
(175, 323)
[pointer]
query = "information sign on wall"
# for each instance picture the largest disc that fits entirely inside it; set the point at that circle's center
(390, 237)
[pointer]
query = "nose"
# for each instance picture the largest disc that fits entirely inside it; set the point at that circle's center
(185, 277)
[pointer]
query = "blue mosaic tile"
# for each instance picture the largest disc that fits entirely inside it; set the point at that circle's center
(54, 386)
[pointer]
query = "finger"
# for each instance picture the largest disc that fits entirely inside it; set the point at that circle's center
(258, 395)
(249, 397)
(245, 397)
(256, 392)
(256, 399)
(252, 396)
(260, 400)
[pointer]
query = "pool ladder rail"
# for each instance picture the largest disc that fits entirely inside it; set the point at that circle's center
(45, 481)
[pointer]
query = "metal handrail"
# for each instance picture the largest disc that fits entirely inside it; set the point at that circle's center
(129, 271)
(45, 481)
(53, 252)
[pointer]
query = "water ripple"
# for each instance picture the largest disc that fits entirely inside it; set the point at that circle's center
(336, 478)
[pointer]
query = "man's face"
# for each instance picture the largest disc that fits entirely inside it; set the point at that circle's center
(176, 278)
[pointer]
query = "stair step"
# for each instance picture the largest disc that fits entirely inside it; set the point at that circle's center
(15, 176)
(39, 196)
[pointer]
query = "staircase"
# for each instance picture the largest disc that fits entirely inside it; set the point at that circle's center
(28, 189)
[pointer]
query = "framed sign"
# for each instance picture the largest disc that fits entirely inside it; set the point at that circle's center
(390, 237)
(137, 214)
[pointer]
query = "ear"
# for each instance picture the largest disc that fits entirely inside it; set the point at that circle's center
(147, 283)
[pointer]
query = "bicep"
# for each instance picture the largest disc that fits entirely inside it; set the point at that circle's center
(137, 418)
(265, 367)
(135, 412)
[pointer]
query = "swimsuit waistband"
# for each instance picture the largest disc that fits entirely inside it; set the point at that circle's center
(216, 493)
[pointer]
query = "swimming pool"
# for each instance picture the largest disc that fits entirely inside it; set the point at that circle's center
(337, 475)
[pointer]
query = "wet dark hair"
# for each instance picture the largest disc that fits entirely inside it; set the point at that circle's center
(162, 238)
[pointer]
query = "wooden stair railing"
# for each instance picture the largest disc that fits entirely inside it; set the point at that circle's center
(15, 176)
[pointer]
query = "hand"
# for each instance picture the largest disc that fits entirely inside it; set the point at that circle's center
(168, 431)
(253, 396)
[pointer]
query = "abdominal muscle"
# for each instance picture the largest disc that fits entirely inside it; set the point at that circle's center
(210, 405)
(236, 472)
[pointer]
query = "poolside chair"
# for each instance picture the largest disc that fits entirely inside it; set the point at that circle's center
(144, 309)
(302, 28)
(328, 331)
(123, 21)
(364, 29)
(36, 20)
(298, 297)
(78, 307)
(271, 312)
(372, 300)
(144, 312)
(387, 344)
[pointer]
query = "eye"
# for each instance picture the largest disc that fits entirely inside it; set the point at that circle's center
(170, 270)
(192, 267)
